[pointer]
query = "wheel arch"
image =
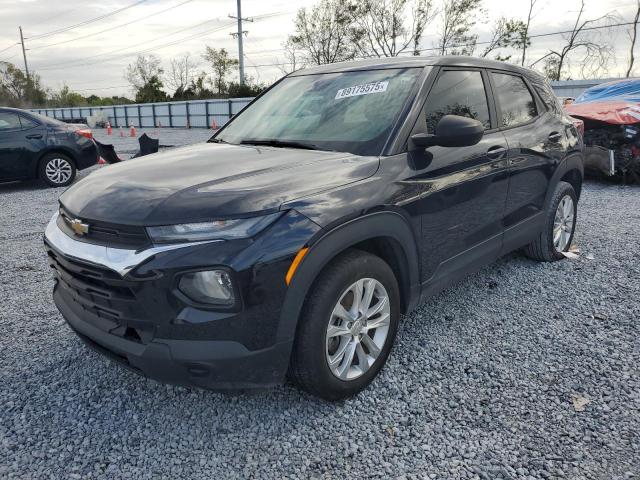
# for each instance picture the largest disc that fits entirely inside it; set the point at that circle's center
(570, 170)
(387, 234)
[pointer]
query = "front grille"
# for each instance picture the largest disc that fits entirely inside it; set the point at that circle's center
(102, 297)
(103, 233)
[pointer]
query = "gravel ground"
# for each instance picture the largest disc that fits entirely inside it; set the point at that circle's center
(524, 370)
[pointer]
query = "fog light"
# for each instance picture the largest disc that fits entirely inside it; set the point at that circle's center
(210, 286)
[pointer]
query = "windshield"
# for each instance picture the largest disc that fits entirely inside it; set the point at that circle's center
(346, 112)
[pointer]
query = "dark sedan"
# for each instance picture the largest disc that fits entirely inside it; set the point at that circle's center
(35, 146)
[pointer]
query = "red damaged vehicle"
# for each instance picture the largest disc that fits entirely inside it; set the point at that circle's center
(611, 116)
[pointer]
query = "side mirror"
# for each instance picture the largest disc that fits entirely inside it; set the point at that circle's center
(451, 131)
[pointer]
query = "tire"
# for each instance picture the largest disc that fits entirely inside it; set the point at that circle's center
(57, 170)
(544, 248)
(313, 348)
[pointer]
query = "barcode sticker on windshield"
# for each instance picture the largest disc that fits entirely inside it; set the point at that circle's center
(366, 89)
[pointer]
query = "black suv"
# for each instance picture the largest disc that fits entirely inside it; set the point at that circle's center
(292, 242)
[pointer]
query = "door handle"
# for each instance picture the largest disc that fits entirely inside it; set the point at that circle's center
(496, 152)
(34, 136)
(555, 137)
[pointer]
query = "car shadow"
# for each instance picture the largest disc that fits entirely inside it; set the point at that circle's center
(22, 186)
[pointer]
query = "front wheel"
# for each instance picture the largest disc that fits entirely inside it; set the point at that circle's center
(57, 170)
(560, 225)
(347, 327)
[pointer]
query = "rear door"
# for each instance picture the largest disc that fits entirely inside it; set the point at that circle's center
(462, 191)
(34, 135)
(12, 147)
(535, 139)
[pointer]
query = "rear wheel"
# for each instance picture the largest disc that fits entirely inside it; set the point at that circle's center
(347, 327)
(560, 224)
(57, 170)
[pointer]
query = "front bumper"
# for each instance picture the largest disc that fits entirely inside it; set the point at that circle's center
(120, 302)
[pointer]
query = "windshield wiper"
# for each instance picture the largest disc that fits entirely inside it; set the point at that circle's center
(274, 142)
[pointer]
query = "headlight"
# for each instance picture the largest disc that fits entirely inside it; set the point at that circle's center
(210, 286)
(214, 230)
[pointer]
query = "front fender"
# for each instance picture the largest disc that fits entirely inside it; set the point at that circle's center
(327, 244)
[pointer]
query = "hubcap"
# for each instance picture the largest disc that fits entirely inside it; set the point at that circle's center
(357, 329)
(58, 170)
(563, 224)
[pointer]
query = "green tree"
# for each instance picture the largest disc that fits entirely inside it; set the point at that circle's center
(151, 91)
(16, 90)
(222, 65)
(67, 98)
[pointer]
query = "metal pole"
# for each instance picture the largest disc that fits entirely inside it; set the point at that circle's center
(24, 53)
(240, 53)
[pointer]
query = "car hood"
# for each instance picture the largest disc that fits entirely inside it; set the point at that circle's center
(210, 180)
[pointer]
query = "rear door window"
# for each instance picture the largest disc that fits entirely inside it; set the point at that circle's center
(516, 102)
(458, 92)
(9, 121)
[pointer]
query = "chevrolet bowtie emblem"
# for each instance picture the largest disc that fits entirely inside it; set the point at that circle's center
(78, 227)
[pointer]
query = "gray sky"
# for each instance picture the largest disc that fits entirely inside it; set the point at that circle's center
(96, 64)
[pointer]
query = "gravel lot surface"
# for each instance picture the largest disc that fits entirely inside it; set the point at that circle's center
(524, 370)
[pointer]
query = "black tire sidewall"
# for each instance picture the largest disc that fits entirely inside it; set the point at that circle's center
(43, 165)
(315, 318)
(563, 190)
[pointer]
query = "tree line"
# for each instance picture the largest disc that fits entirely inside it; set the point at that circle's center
(340, 30)
(149, 80)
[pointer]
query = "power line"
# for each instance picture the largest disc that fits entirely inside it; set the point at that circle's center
(105, 55)
(10, 46)
(86, 22)
(548, 34)
(139, 52)
(111, 28)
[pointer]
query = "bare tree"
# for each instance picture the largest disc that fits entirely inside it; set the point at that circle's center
(292, 60)
(386, 28)
(458, 19)
(633, 35)
(525, 41)
(143, 70)
(595, 49)
(180, 74)
(324, 34)
(506, 33)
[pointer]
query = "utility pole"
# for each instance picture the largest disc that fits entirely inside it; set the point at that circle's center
(240, 34)
(24, 53)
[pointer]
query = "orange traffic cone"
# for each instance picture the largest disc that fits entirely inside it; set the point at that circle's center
(214, 125)
(109, 130)
(121, 132)
(132, 131)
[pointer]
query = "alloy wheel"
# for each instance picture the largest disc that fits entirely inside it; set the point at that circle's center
(563, 223)
(58, 170)
(357, 329)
